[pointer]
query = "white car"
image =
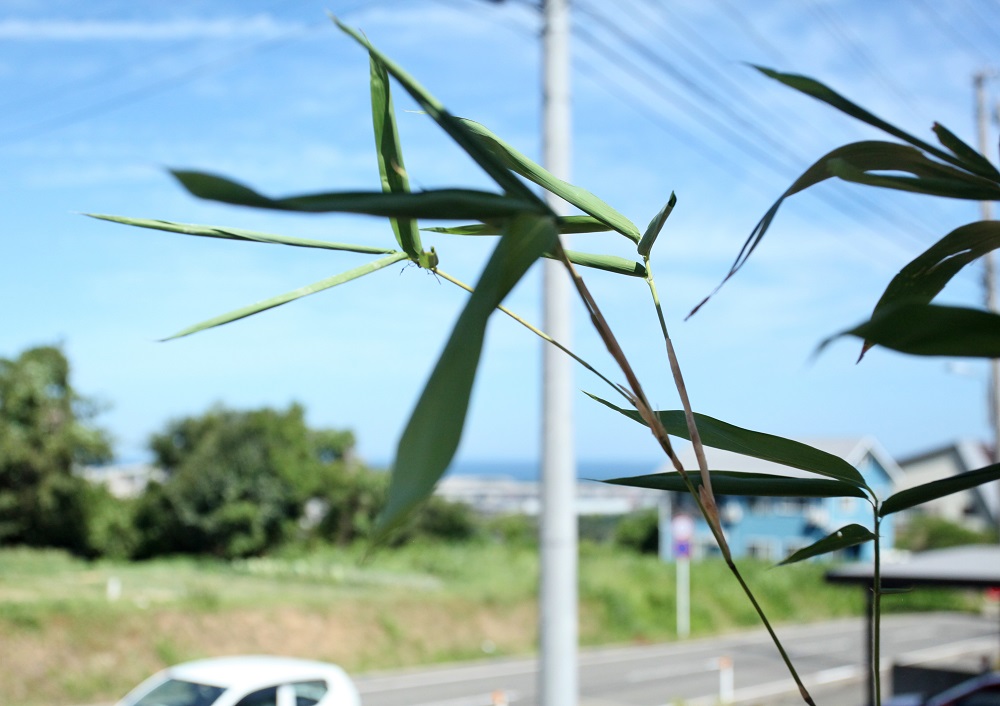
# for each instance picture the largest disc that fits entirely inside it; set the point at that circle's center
(247, 681)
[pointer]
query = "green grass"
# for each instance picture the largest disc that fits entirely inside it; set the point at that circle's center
(66, 643)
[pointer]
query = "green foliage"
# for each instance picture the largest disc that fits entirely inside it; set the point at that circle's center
(45, 434)
(920, 532)
(639, 531)
(237, 481)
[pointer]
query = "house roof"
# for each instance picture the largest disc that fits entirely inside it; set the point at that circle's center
(971, 566)
(967, 455)
(853, 450)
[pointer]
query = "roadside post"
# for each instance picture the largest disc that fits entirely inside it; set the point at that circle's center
(682, 530)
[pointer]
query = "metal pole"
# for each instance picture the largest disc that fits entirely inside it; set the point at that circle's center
(558, 679)
(989, 264)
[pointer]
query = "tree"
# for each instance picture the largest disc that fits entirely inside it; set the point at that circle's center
(237, 481)
(45, 433)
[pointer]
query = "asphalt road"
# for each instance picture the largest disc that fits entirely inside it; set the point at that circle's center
(828, 656)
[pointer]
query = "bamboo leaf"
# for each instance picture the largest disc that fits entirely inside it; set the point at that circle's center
(435, 427)
(564, 224)
(938, 489)
(608, 263)
(930, 329)
(827, 95)
(970, 157)
(968, 187)
(754, 484)
(863, 156)
(655, 226)
(327, 283)
(390, 156)
(847, 536)
(452, 126)
(532, 171)
(445, 204)
(228, 233)
(922, 279)
(720, 435)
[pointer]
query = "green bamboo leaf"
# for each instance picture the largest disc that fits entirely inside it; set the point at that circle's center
(923, 278)
(847, 536)
(971, 158)
(827, 95)
(228, 233)
(767, 447)
(930, 329)
(938, 489)
(966, 186)
(564, 224)
(452, 126)
(532, 171)
(435, 427)
(655, 226)
(608, 263)
(754, 484)
(445, 204)
(863, 156)
(926, 275)
(390, 156)
(327, 283)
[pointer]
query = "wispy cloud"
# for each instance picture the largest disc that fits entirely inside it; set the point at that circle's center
(261, 26)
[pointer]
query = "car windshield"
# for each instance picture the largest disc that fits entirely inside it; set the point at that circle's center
(175, 692)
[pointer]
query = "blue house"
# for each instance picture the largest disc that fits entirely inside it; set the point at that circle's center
(772, 528)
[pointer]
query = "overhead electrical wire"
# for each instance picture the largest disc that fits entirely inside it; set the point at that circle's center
(942, 23)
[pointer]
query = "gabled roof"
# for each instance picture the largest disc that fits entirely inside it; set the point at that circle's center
(968, 455)
(853, 450)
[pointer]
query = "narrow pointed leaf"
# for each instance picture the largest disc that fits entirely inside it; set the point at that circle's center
(608, 263)
(655, 226)
(327, 283)
(390, 156)
(228, 233)
(930, 329)
(847, 536)
(532, 171)
(755, 484)
(938, 489)
(968, 187)
(564, 224)
(863, 156)
(451, 125)
(814, 88)
(434, 430)
(445, 204)
(971, 157)
(922, 279)
(721, 435)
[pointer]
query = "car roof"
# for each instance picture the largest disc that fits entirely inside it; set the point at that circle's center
(256, 671)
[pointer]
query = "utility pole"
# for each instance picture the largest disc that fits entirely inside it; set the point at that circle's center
(989, 261)
(557, 602)
(989, 265)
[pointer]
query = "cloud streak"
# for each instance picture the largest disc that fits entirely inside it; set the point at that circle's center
(258, 26)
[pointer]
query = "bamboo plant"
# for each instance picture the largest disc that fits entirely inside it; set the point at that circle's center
(904, 318)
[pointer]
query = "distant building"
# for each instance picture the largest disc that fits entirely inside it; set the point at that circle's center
(771, 528)
(123, 481)
(505, 496)
(977, 508)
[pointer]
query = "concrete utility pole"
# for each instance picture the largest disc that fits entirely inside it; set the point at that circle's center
(989, 263)
(989, 260)
(557, 602)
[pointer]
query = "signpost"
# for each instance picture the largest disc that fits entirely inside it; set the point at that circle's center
(682, 531)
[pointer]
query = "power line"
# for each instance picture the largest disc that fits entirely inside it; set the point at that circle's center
(944, 25)
(842, 35)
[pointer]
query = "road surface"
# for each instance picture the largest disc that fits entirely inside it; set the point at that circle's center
(828, 656)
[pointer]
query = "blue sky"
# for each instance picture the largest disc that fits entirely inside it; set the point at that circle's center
(99, 98)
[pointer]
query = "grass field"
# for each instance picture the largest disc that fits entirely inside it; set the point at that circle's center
(66, 642)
